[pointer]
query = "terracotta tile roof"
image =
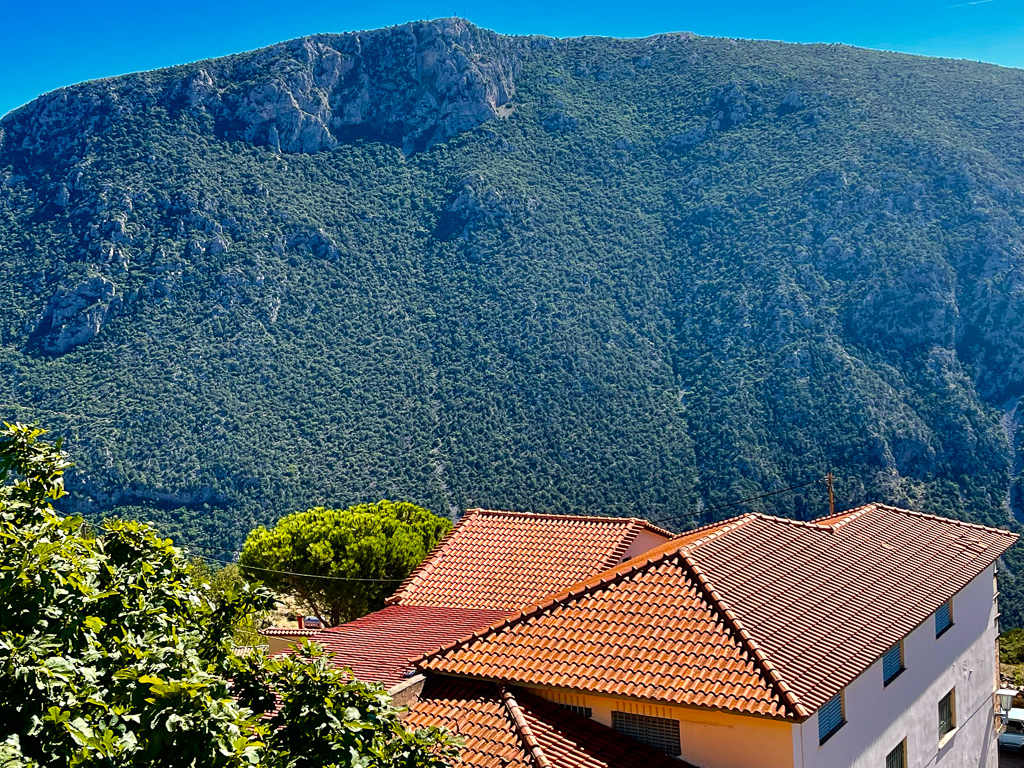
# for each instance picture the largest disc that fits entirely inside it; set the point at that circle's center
(760, 615)
(509, 727)
(378, 647)
(648, 631)
(505, 560)
(287, 632)
(824, 600)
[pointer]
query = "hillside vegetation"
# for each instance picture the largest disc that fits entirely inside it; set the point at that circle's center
(631, 277)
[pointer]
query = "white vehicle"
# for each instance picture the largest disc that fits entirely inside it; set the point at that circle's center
(1012, 739)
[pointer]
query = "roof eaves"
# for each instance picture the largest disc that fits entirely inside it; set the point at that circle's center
(531, 686)
(785, 692)
(523, 728)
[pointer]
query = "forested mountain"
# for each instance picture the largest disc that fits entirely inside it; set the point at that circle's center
(632, 277)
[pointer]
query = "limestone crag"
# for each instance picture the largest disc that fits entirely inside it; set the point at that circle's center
(73, 317)
(410, 86)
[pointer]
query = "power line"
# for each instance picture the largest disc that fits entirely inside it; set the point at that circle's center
(212, 549)
(735, 503)
(306, 575)
(189, 547)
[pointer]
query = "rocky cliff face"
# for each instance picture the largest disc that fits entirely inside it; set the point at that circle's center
(646, 274)
(75, 316)
(409, 86)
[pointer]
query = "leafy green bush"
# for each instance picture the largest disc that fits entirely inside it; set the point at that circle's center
(112, 653)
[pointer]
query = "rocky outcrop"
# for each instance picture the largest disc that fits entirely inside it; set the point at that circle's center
(410, 86)
(470, 205)
(73, 317)
(733, 104)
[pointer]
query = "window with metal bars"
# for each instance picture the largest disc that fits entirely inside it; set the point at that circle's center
(830, 717)
(947, 713)
(659, 732)
(892, 663)
(944, 617)
(898, 757)
(584, 711)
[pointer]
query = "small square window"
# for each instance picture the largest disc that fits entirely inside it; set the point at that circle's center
(892, 663)
(830, 717)
(947, 713)
(944, 617)
(659, 732)
(898, 757)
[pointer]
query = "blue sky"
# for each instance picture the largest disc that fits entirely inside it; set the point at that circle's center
(44, 45)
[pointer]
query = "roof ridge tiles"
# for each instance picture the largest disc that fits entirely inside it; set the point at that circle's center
(810, 524)
(719, 530)
(584, 518)
(523, 728)
(654, 527)
(927, 516)
(706, 526)
(852, 514)
(723, 608)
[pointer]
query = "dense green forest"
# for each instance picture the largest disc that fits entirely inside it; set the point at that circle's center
(632, 277)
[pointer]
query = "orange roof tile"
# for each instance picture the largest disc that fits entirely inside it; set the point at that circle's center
(509, 727)
(824, 600)
(379, 647)
(758, 614)
(505, 560)
(595, 638)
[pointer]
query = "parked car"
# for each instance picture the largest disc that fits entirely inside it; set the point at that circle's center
(1012, 739)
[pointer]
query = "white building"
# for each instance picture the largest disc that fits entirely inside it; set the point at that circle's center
(863, 639)
(894, 707)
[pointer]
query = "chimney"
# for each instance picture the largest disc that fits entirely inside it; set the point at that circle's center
(302, 621)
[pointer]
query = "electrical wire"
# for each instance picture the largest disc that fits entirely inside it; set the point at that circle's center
(660, 521)
(292, 573)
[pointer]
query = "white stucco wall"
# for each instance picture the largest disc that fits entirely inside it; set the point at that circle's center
(878, 717)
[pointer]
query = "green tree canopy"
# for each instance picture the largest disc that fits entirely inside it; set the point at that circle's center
(365, 550)
(113, 653)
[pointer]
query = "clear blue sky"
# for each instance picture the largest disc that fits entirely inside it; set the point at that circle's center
(44, 45)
